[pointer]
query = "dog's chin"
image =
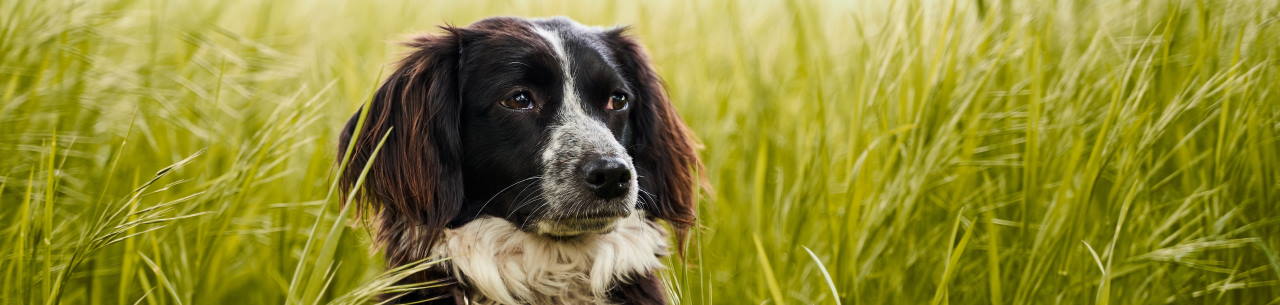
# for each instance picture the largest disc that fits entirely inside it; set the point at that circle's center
(571, 228)
(581, 224)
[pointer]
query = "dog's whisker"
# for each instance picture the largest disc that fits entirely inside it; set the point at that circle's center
(646, 194)
(521, 199)
(524, 201)
(543, 208)
(486, 202)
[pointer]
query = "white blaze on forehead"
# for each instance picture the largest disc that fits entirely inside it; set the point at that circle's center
(571, 106)
(571, 113)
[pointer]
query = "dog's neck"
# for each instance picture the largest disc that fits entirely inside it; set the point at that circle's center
(500, 264)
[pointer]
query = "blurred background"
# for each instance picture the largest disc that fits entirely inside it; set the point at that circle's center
(859, 152)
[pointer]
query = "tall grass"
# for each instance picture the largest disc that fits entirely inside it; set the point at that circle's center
(876, 152)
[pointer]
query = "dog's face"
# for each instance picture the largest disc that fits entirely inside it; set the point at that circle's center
(545, 122)
(559, 128)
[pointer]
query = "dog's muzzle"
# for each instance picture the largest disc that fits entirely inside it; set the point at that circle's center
(589, 182)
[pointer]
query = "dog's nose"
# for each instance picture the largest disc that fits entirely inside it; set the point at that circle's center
(607, 177)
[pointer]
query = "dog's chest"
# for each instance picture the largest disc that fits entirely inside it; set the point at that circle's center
(501, 264)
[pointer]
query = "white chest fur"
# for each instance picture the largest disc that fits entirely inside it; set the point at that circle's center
(505, 265)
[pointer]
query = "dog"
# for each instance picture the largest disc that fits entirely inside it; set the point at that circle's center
(537, 156)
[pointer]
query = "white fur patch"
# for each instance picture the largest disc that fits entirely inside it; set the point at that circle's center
(504, 265)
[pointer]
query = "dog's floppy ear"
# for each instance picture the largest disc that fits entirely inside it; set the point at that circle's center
(415, 183)
(662, 147)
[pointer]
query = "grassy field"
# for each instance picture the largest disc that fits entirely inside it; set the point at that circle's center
(876, 152)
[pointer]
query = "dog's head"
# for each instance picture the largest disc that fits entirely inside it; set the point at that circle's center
(559, 128)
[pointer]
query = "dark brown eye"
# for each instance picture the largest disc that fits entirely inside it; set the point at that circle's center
(521, 100)
(617, 102)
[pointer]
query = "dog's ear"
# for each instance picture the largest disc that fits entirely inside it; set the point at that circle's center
(414, 184)
(661, 145)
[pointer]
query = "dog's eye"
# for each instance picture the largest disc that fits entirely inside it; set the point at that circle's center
(617, 102)
(518, 101)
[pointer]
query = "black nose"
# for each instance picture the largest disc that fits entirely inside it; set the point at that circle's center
(607, 177)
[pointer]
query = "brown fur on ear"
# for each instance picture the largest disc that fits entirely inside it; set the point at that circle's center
(415, 184)
(663, 147)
